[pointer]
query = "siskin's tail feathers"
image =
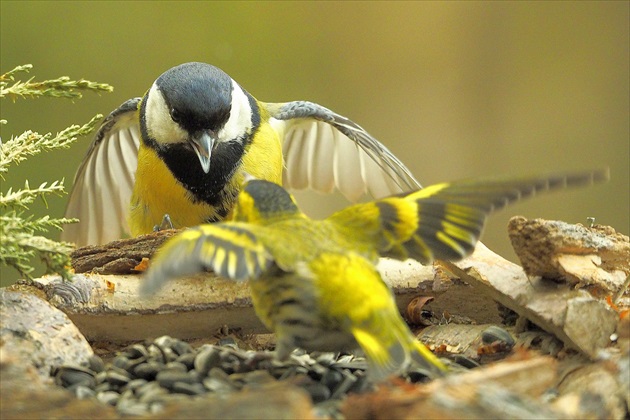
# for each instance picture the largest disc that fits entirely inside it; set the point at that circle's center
(390, 351)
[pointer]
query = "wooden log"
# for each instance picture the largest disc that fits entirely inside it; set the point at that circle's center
(108, 308)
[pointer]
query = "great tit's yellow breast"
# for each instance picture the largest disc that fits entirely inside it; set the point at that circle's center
(263, 156)
(156, 192)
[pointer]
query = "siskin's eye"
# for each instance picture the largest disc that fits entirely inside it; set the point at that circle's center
(176, 115)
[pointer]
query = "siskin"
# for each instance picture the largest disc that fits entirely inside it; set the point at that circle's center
(314, 283)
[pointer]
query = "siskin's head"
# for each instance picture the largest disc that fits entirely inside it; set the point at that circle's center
(197, 106)
(260, 201)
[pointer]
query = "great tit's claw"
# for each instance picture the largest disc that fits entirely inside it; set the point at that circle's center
(166, 224)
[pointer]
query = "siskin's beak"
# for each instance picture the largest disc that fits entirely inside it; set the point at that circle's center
(203, 142)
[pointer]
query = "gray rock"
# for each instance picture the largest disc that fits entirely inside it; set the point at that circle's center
(38, 334)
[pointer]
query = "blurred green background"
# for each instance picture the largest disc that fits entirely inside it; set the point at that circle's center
(454, 89)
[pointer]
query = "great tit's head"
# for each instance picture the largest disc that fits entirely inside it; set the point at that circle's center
(199, 106)
(260, 201)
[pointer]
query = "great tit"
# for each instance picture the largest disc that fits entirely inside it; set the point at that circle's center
(180, 151)
(314, 282)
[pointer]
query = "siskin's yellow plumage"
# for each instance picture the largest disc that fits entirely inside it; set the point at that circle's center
(314, 283)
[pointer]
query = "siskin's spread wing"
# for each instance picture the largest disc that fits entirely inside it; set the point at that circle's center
(103, 184)
(443, 221)
(324, 150)
(231, 250)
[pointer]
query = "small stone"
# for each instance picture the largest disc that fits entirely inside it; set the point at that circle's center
(187, 359)
(164, 341)
(124, 363)
(101, 377)
(419, 375)
(188, 389)
(332, 378)
(466, 362)
(318, 391)
(96, 364)
(135, 384)
(181, 347)
(104, 386)
(168, 378)
(228, 342)
(348, 381)
(116, 378)
(108, 397)
(206, 360)
(137, 351)
(219, 374)
(218, 385)
(68, 375)
(493, 334)
(151, 392)
(83, 392)
(326, 359)
(176, 366)
(254, 379)
(361, 383)
(148, 370)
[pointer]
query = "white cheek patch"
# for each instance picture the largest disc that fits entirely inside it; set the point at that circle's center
(160, 125)
(240, 121)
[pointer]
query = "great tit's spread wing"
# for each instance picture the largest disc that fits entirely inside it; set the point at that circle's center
(230, 249)
(444, 221)
(324, 150)
(103, 184)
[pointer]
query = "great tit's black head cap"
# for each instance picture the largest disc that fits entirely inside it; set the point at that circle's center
(199, 95)
(270, 198)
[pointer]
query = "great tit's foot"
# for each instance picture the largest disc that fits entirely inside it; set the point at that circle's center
(166, 224)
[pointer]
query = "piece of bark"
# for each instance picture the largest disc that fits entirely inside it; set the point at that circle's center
(574, 316)
(121, 256)
(597, 257)
(510, 389)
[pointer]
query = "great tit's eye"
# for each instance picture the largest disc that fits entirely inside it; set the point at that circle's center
(176, 115)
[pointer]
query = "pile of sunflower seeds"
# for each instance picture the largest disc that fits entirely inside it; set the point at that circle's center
(142, 378)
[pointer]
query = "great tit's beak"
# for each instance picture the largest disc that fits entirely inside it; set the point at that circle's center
(203, 142)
